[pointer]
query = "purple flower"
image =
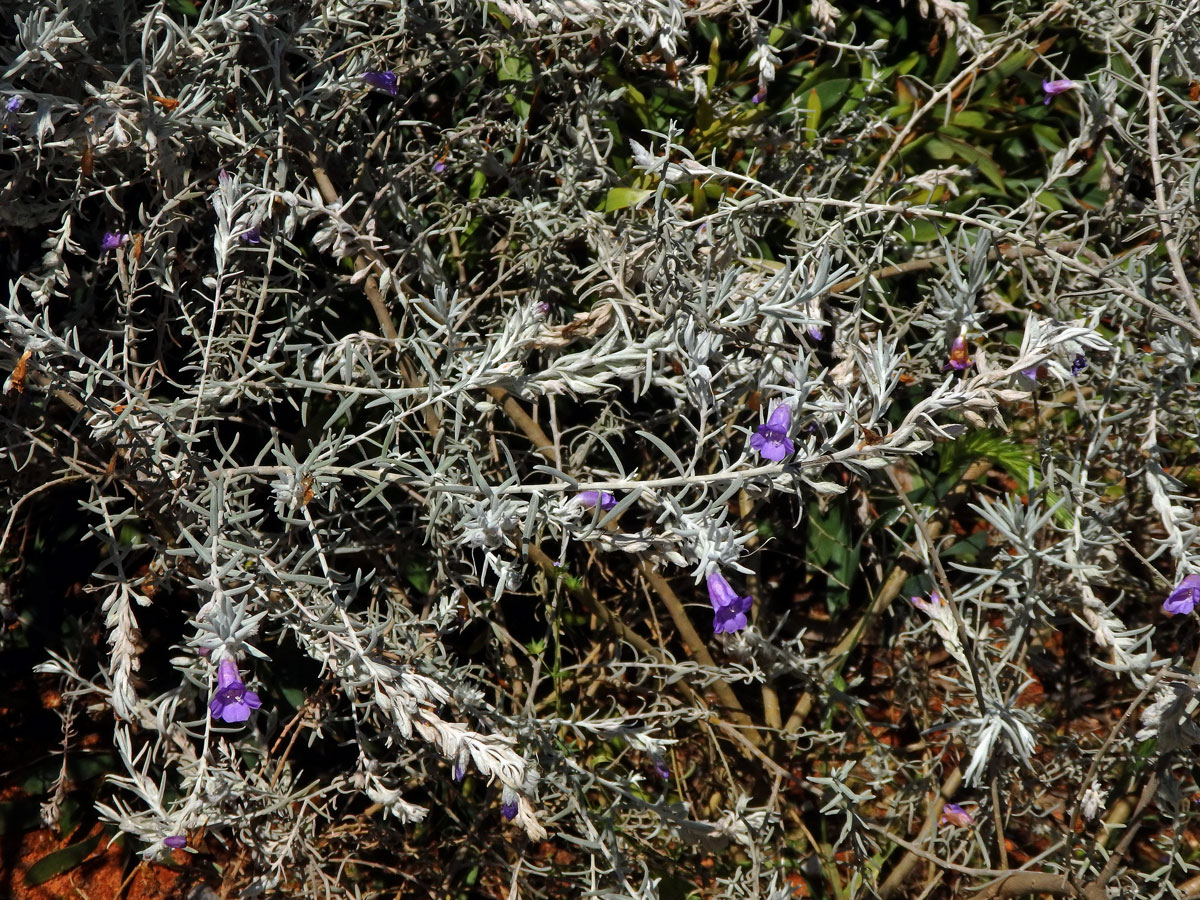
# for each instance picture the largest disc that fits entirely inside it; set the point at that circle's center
(729, 619)
(729, 610)
(960, 358)
(439, 166)
(14, 103)
(112, 240)
(1031, 373)
(1184, 598)
(590, 498)
(508, 804)
(232, 702)
(1057, 86)
(252, 235)
(771, 440)
(1078, 364)
(175, 841)
(955, 815)
(660, 768)
(760, 96)
(931, 606)
(383, 81)
(816, 332)
(459, 772)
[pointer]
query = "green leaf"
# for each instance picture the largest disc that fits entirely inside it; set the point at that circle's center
(980, 158)
(923, 231)
(1049, 201)
(1010, 65)
(514, 68)
(947, 64)
(186, 7)
(61, 860)
(970, 118)
(813, 119)
(417, 574)
(830, 92)
(623, 197)
(714, 63)
(939, 150)
(1048, 137)
(478, 183)
(907, 64)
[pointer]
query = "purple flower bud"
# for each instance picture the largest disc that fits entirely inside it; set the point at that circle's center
(960, 357)
(383, 81)
(1031, 373)
(955, 815)
(760, 96)
(816, 332)
(252, 235)
(14, 103)
(729, 610)
(175, 841)
(1078, 364)
(590, 498)
(459, 772)
(439, 166)
(771, 440)
(232, 702)
(1058, 86)
(112, 240)
(660, 768)
(1184, 598)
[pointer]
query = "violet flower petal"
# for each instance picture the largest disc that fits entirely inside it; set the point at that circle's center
(383, 81)
(1184, 598)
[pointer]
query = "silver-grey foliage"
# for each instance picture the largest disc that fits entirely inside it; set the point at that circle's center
(327, 407)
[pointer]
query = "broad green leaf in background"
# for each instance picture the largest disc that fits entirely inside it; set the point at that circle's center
(61, 860)
(813, 119)
(623, 197)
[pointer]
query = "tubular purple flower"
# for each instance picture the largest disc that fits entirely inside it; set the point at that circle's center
(14, 103)
(1184, 598)
(955, 815)
(1057, 86)
(771, 440)
(760, 96)
(175, 841)
(816, 332)
(590, 498)
(232, 702)
(960, 357)
(729, 610)
(383, 81)
(731, 618)
(112, 240)
(439, 166)
(252, 235)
